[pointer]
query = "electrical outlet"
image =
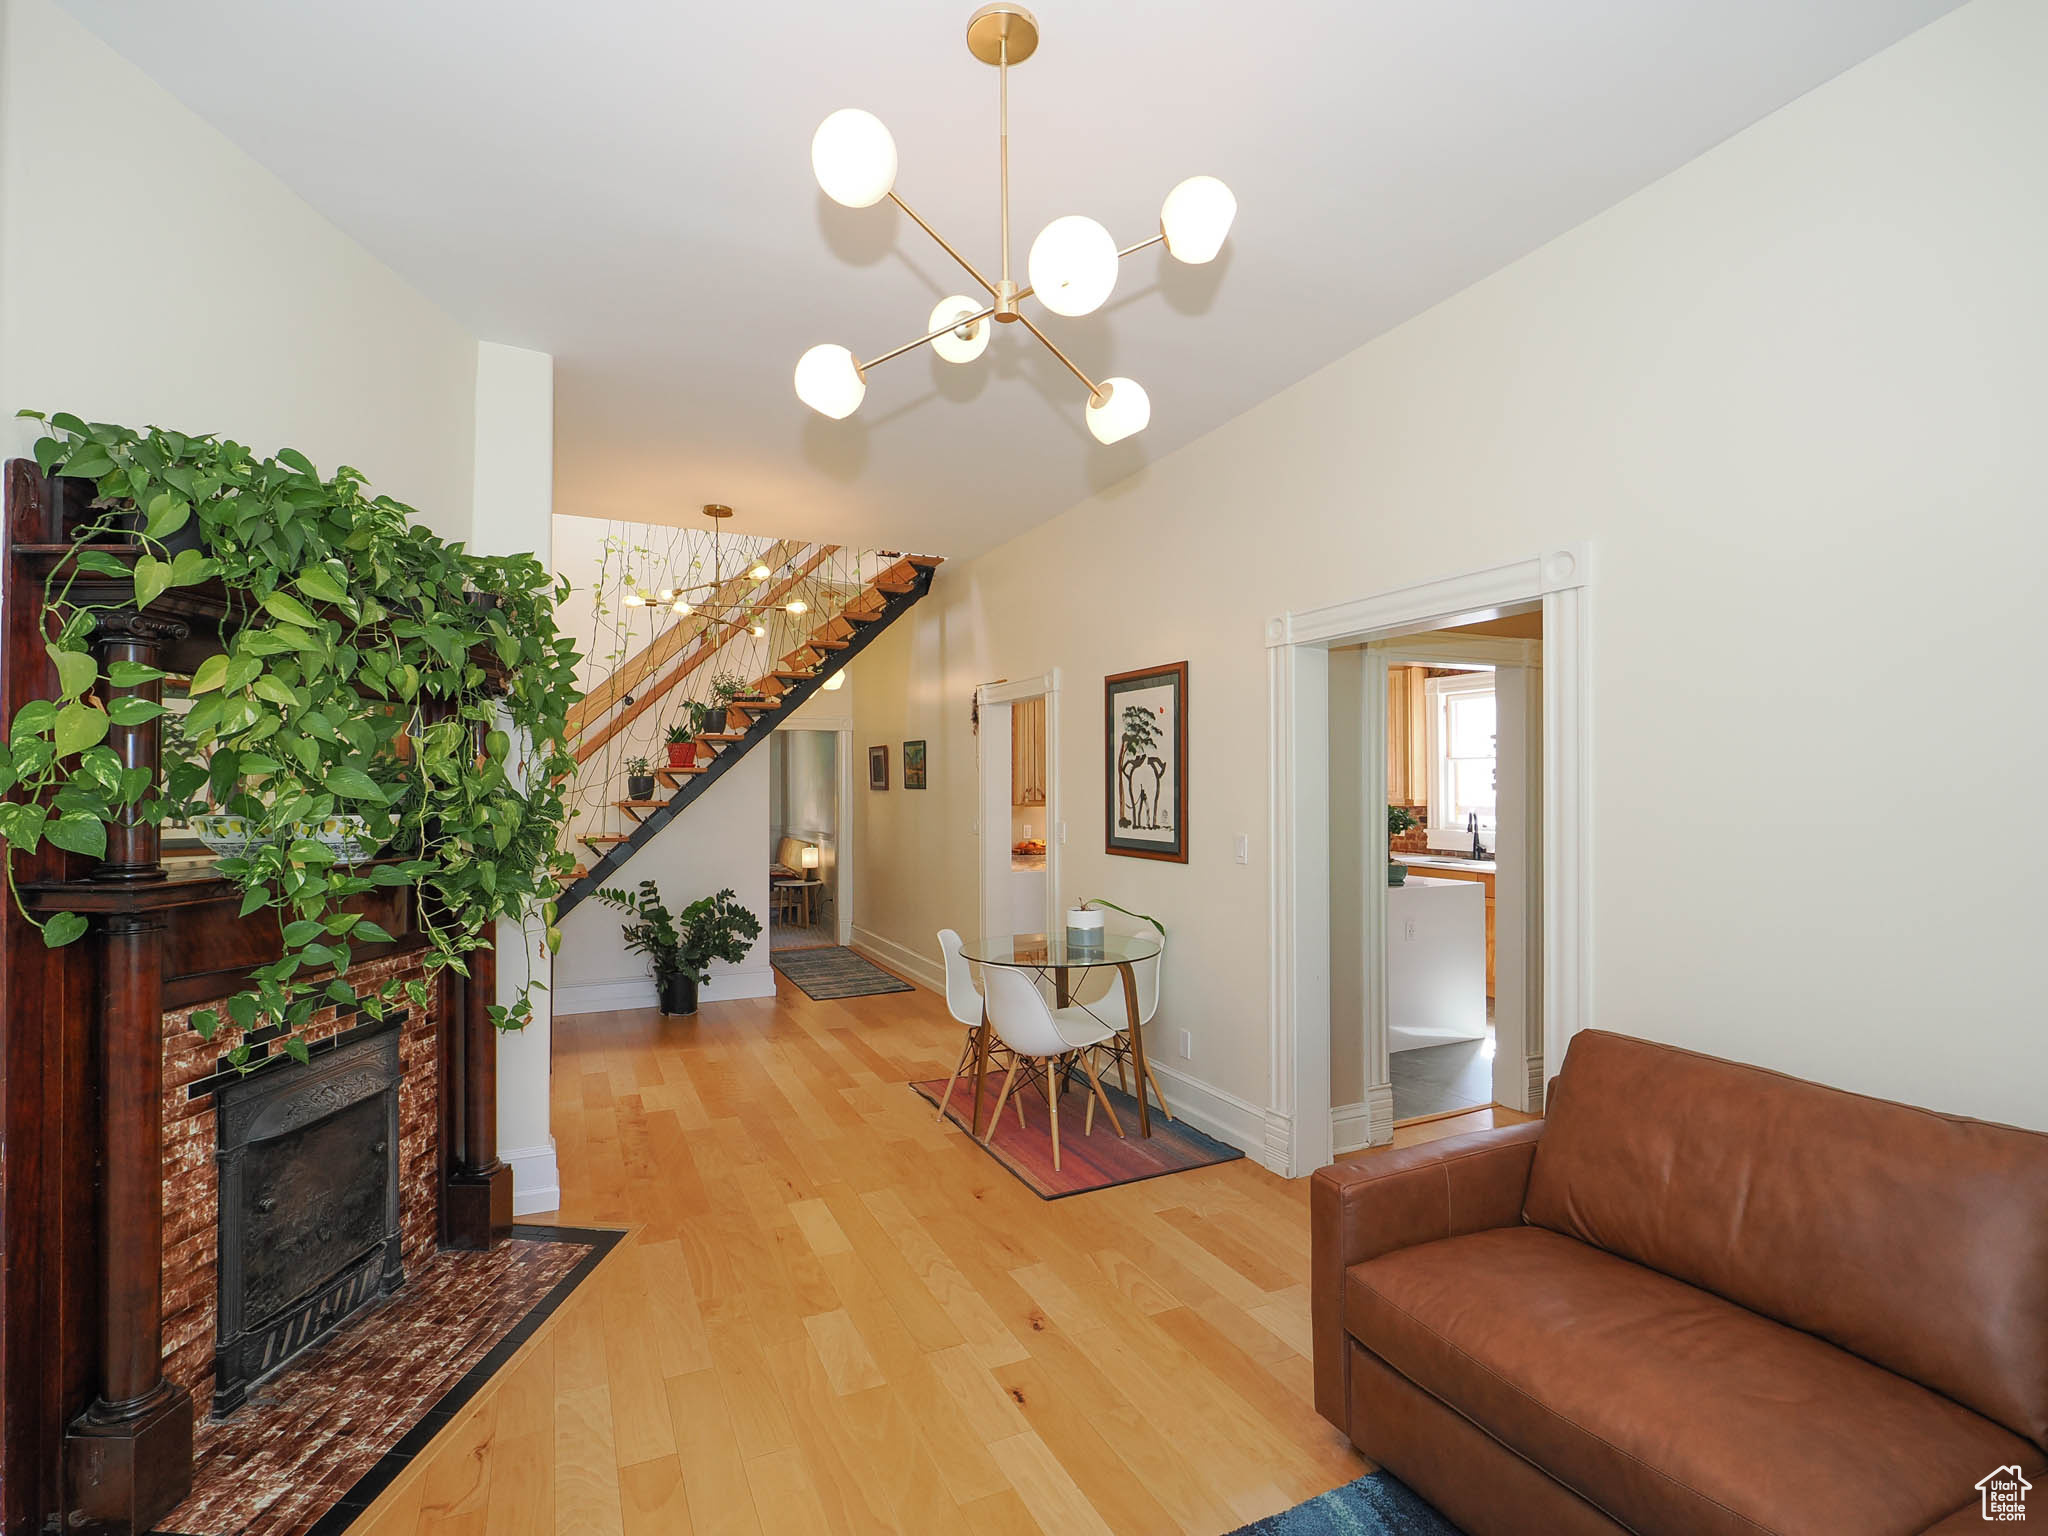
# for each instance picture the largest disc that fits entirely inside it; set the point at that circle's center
(1244, 849)
(1187, 1046)
(1408, 930)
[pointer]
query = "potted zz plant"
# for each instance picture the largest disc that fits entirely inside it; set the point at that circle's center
(639, 779)
(1399, 819)
(680, 950)
(682, 745)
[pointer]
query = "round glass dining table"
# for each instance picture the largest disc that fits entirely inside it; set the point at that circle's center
(1055, 954)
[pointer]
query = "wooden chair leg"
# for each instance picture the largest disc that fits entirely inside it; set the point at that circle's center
(1107, 1108)
(1053, 1098)
(966, 1055)
(1157, 1092)
(996, 1119)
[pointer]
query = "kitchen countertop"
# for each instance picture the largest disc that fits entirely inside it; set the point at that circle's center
(1443, 861)
(1022, 862)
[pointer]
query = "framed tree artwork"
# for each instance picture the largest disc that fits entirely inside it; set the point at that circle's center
(913, 765)
(1145, 754)
(878, 767)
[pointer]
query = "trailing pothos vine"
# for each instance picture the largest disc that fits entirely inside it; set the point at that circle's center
(352, 677)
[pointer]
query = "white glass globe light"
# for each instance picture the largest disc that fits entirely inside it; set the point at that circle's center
(760, 572)
(1196, 218)
(1127, 410)
(952, 346)
(1073, 265)
(829, 381)
(796, 605)
(854, 158)
(759, 630)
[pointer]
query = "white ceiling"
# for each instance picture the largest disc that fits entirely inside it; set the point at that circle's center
(626, 184)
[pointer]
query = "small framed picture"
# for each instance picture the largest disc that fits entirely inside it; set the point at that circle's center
(913, 765)
(878, 767)
(1145, 754)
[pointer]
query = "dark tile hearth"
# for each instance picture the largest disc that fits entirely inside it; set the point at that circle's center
(317, 1443)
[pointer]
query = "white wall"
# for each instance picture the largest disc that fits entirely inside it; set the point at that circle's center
(1794, 394)
(718, 842)
(512, 512)
(151, 272)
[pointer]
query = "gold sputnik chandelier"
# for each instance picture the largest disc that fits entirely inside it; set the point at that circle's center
(688, 600)
(1072, 266)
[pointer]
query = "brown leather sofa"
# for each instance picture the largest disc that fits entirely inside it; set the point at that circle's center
(1699, 1298)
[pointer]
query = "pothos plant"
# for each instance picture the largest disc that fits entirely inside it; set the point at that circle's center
(350, 678)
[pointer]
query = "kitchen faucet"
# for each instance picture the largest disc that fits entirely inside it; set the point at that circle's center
(1472, 825)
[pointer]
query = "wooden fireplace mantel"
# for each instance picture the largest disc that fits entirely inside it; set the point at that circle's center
(91, 1433)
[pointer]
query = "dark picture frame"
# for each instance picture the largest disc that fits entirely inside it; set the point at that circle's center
(913, 765)
(878, 767)
(1145, 760)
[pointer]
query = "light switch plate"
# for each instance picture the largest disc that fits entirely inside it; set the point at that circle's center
(1063, 834)
(1187, 1046)
(1244, 849)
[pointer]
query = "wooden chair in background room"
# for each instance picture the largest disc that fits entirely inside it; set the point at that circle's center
(1037, 1045)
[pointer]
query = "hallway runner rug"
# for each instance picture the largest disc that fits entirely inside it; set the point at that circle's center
(835, 972)
(1376, 1505)
(316, 1444)
(1100, 1161)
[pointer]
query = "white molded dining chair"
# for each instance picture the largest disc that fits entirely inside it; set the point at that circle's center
(1037, 1042)
(1108, 1010)
(963, 1001)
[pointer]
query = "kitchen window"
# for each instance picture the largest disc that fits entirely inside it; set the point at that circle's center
(1461, 751)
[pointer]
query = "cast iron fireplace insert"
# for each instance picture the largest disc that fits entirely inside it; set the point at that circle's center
(308, 1160)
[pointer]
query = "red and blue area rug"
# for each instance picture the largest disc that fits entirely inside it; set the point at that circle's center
(1378, 1505)
(1087, 1162)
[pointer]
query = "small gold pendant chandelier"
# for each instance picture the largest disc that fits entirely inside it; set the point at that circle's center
(1072, 265)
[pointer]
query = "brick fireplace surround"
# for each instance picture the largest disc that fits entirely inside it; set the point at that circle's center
(192, 1067)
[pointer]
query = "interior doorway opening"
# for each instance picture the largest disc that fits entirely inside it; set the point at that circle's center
(1017, 726)
(810, 897)
(1436, 896)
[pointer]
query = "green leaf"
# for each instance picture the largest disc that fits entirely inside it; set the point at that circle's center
(98, 562)
(190, 567)
(151, 577)
(277, 692)
(205, 1022)
(62, 929)
(167, 514)
(254, 899)
(320, 585)
(282, 605)
(371, 931)
(304, 931)
(295, 1047)
(79, 726)
(133, 711)
(35, 718)
(79, 834)
(354, 784)
(133, 674)
(88, 462)
(76, 672)
(210, 674)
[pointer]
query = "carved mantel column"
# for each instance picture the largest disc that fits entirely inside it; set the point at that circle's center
(128, 1457)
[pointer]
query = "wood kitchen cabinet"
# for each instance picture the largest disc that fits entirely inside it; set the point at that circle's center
(1407, 737)
(1431, 872)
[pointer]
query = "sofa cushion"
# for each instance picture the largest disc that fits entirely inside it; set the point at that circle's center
(1670, 1409)
(1917, 1240)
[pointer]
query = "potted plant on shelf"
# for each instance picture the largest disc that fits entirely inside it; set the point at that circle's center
(639, 779)
(680, 950)
(726, 687)
(682, 745)
(1399, 819)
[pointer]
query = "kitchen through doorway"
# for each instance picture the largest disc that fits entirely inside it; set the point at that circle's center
(1457, 712)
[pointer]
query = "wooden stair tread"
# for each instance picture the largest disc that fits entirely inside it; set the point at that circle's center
(600, 839)
(757, 704)
(827, 645)
(722, 738)
(635, 805)
(791, 674)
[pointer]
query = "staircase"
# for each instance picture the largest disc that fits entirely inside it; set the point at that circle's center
(828, 647)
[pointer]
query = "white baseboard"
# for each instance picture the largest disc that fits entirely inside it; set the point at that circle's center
(536, 1178)
(900, 958)
(1223, 1115)
(638, 991)
(1369, 1123)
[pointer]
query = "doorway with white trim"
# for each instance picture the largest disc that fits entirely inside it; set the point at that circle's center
(1018, 821)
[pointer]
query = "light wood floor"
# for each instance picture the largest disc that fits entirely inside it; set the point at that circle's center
(836, 1316)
